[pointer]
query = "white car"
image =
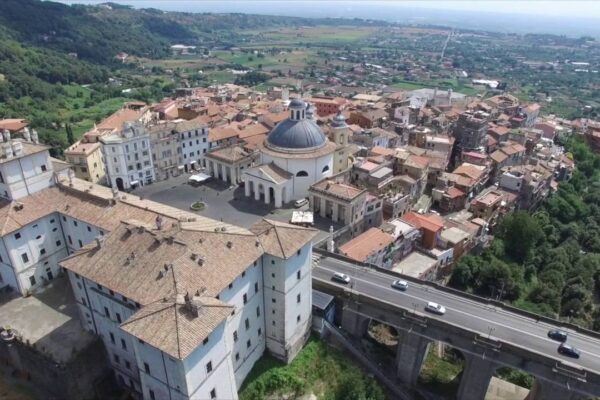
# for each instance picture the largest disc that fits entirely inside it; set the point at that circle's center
(343, 278)
(435, 308)
(400, 284)
(300, 202)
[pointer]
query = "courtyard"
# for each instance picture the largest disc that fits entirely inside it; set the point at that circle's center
(224, 203)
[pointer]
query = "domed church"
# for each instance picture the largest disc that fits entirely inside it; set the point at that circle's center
(294, 155)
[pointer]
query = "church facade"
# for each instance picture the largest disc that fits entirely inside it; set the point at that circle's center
(295, 155)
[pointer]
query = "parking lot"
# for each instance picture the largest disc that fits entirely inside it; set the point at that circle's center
(222, 202)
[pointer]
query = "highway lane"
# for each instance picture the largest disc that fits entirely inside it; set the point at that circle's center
(484, 319)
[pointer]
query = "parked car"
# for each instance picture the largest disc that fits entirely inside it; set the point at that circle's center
(557, 334)
(400, 284)
(300, 202)
(435, 308)
(343, 278)
(568, 350)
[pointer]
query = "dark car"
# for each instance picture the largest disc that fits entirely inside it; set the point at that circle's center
(568, 350)
(557, 334)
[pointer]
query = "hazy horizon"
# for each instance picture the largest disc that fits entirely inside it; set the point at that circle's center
(573, 18)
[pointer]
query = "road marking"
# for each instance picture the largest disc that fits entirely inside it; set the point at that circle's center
(406, 294)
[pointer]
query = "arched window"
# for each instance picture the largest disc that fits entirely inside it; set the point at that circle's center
(302, 173)
(325, 168)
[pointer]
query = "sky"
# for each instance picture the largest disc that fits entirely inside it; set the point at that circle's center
(558, 8)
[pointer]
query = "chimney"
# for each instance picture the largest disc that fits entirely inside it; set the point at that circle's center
(158, 222)
(26, 134)
(6, 135)
(8, 150)
(99, 241)
(34, 136)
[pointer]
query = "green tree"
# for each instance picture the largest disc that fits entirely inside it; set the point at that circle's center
(520, 232)
(70, 136)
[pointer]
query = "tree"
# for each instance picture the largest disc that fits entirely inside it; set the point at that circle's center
(70, 136)
(520, 232)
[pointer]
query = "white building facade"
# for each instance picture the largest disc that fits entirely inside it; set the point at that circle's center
(127, 157)
(295, 155)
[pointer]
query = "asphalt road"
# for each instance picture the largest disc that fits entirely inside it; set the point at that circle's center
(479, 317)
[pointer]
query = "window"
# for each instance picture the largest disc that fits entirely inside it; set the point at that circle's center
(69, 239)
(230, 285)
(123, 344)
(243, 274)
(237, 356)
(298, 318)
(256, 287)
(118, 318)
(32, 280)
(325, 169)
(298, 274)
(54, 229)
(116, 358)
(80, 243)
(298, 298)
(248, 344)
(44, 169)
(205, 340)
(127, 364)
(152, 396)
(106, 312)
(299, 251)
(18, 235)
(302, 173)
(213, 394)
(89, 228)
(247, 323)
(112, 338)
(25, 257)
(209, 367)
(273, 323)
(273, 301)
(259, 331)
(272, 274)
(82, 299)
(235, 337)
(147, 368)
(74, 223)
(58, 243)
(42, 252)
(245, 298)
(273, 263)
(258, 311)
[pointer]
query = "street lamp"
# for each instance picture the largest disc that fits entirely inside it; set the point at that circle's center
(490, 330)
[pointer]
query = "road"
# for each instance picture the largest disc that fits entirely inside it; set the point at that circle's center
(484, 319)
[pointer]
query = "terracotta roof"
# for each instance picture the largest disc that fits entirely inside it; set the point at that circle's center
(270, 172)
(174, 327)
(420, 221)
(116, 119)
(417, 161)
(383, 151)
(222, 132)
(498, 156)
(13, 124)
(253, 130)
(335, 189)
(366, 243)
(470, 171)
(454, 193)
(280, 239)
(82, 148)
(230, 154)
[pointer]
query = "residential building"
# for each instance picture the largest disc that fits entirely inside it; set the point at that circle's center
(87, 161)
(340, 202)
(372, 247)
(371, 118)
(127, 157)
(471, 130)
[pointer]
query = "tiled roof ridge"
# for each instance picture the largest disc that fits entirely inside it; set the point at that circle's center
(176, 314)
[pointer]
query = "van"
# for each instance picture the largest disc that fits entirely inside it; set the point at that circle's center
(301, 202)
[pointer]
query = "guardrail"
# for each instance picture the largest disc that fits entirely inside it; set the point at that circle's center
(470, 296)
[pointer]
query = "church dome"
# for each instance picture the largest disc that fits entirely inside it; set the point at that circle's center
(296, 133)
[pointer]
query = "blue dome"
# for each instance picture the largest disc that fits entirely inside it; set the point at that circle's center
(302, 134)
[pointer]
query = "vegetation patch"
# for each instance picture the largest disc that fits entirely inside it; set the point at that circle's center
(198, 206)
(317, 369)
(441, 375)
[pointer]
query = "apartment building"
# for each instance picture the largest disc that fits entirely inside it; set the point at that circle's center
(127, 157)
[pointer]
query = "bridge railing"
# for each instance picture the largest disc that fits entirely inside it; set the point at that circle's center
(470, 296)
